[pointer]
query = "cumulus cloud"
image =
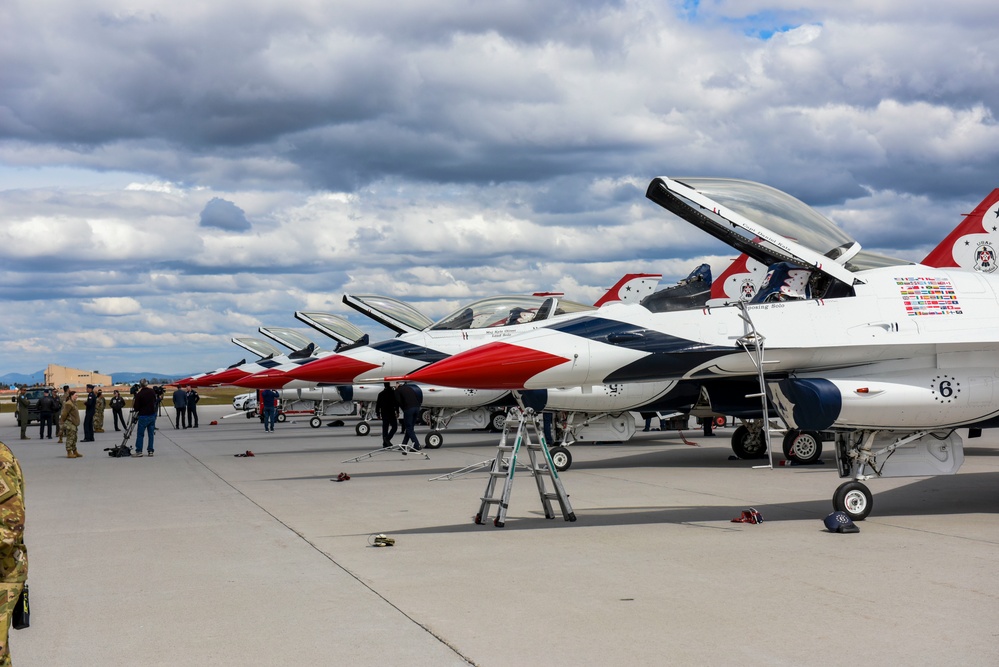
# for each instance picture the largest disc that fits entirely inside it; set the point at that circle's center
(114, 306)
(224, 215)
(443, 151)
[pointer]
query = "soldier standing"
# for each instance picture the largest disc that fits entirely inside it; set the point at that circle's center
(70, 420)
(22, 411)
(88, 415)
(99, 412)
(62, 402)
(57, 405)
(13, 554)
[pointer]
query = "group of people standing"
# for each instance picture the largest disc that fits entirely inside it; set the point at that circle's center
(185, 403)
(63, 412)
(407, 398)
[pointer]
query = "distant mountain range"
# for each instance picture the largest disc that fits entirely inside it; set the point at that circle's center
(121, 378)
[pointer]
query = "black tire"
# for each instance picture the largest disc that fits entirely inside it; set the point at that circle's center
(561, 458)
(433, 440)
(282, 417)
(748, 443)
(855, 499)
(362, 428)
(802, 446)
(315, 422)
(496, 421)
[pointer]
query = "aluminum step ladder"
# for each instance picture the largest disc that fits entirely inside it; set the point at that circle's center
(524, 423)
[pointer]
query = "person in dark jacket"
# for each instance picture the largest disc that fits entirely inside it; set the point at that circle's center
(410, 400)
(145, 404)
(180, 405)
(387, 409)
(117, 406)
(46, 410)
(88, 414)
(192, 407)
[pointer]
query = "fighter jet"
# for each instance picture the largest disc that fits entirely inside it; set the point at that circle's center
(890, 356)
(261, 348)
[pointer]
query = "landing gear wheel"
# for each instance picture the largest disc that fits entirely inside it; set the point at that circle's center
(282, 417)
(802, 446)
(855, 499)
(719, 422)
(748, 443)
(362, 428)
(433, 440)
(561, 458)
(496, 421)
(315, 422)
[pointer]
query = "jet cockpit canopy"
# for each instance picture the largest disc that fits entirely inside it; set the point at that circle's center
(498, 311)
(261, 348)
(768, 225)
(392, 313)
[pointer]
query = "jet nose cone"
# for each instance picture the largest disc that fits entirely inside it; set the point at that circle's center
(492, 366)
(269, 379)
(225, 377)
(334, 368)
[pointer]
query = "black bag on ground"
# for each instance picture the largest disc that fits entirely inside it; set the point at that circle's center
(119, 451)
(21, 618)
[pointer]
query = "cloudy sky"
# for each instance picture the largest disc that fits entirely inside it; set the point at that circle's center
(174, 174)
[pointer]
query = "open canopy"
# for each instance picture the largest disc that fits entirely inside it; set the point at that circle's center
(259, 347)
(499, 311)
(392, 313)
(768, 225)
(331, 325)
(293, 340)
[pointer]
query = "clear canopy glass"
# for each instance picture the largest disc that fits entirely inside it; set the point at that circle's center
(501, 311)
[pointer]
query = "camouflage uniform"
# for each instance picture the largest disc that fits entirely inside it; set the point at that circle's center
(64, 399)
(70, 418)
(22, 414)
(99, 413)
(13, 554)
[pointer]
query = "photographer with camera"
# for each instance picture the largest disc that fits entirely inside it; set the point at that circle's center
(146, 404)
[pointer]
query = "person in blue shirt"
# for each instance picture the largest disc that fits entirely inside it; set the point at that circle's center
(269, 402)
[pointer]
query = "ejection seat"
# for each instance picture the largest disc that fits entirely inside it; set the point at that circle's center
(784, 282)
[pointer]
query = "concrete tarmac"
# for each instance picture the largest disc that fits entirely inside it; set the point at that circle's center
(199, 557)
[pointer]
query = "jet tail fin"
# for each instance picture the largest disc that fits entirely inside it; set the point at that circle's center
(632, 288)
(973, 243)
(739, 282)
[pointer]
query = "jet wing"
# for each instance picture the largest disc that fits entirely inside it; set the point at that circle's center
(767, 224)
(293, 340)
(331, 325)
(389, 312)
(261, 348)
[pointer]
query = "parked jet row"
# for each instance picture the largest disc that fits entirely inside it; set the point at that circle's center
(890, 356)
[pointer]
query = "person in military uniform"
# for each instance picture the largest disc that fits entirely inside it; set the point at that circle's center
(99, 412)
(70, 419)
(22, 411)
(88, 414)
(62, 401)
(13, 554)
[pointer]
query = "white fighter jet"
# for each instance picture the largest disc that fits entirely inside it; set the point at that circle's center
(891, 356)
